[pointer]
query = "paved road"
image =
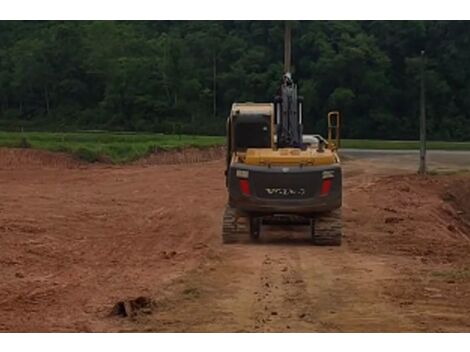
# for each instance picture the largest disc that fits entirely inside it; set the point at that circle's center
(437, 159)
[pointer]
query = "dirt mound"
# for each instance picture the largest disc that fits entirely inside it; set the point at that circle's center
(412, 216)
(12, 158)
(184, 156)
(458, 193)
(16, 158)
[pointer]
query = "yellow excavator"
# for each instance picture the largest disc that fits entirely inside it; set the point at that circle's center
(275, 173)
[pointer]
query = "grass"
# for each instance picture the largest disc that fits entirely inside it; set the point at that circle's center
(402, 145)
(126, 146)
(99, 146)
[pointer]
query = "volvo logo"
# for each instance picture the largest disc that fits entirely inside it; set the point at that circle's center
(286, 191)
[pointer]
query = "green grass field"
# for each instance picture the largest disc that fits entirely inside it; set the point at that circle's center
(402, 145)
(125, 147)
(99, 146)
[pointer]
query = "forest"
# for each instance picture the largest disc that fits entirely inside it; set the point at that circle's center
(183, 76)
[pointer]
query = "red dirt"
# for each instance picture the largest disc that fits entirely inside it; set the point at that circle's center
(13, 158)
(77, 239)
(458, 192)
(185, 156)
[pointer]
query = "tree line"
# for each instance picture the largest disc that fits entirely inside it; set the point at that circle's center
(183, 76)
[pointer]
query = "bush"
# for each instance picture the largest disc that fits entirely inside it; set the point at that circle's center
(24, 143)
(86, 154)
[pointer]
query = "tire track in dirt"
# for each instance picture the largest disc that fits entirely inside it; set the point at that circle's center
(274, 287)
(282, 296)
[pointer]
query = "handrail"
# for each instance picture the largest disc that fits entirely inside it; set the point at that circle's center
(334, 123)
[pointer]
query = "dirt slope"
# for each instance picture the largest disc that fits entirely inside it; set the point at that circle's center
(75, 241)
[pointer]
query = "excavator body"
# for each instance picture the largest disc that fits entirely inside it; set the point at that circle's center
(276, 174)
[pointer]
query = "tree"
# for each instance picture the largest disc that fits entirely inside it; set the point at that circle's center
(154, 75)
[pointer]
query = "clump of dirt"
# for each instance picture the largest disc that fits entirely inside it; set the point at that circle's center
(17, 158)
(458, 194)
(183, 156)
(191, 292)
(133, 307)
(168, 255)
(393, 220)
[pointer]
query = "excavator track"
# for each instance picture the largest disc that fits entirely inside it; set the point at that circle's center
(327, 229)
(235, 227)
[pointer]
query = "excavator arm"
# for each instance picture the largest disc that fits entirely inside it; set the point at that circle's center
(288, 105)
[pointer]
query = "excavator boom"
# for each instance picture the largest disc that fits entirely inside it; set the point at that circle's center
(288, 105)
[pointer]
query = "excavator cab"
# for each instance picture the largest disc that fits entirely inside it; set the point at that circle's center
(249, 126)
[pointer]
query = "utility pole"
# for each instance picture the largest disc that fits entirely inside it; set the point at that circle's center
(214, 85)
(422, 119)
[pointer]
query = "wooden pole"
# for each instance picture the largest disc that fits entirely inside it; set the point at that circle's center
(422, 118)
(214, 86)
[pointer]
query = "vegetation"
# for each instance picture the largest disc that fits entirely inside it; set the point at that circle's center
(402, 145)
(182, 76)
(120, 147)
(104, 146)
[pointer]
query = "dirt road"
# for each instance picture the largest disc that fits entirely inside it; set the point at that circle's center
(76, 239)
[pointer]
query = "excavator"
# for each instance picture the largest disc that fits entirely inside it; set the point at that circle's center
(276, 174)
